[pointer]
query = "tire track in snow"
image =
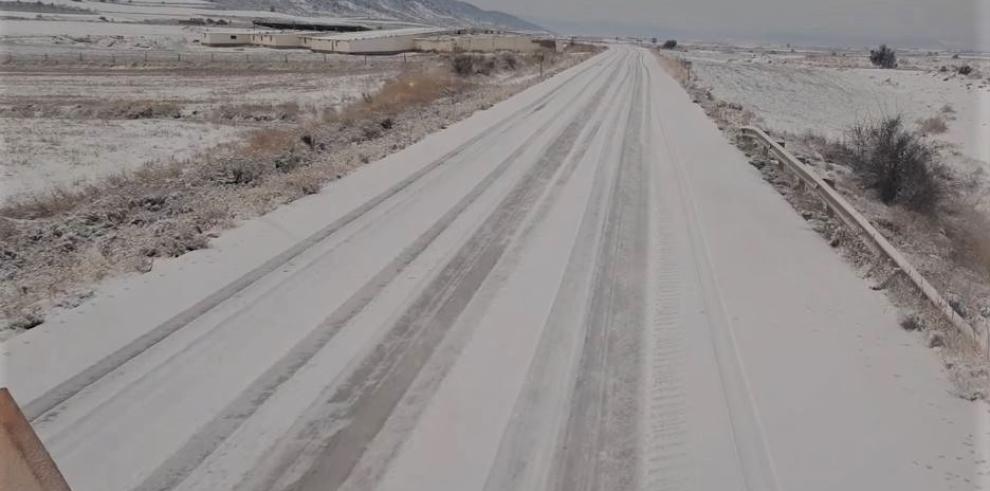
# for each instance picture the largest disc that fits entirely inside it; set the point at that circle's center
(748, 434)
(182, 462)
(45, 407)
(368, 397)
(533, 434)
(664, 457)
(601, 447)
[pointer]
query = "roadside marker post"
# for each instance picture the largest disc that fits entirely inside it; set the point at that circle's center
(25, 465)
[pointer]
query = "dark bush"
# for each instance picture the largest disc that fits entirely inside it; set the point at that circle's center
(883, 57)
(898, 163)
(463, 65)
(509, 61)
(466, 65)
(670, 44)
(964, 70)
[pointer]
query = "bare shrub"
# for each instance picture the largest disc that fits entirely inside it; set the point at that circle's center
(173, 239)
(509, 61)
(934, 125)
(964, 70)
(463, 65)
(304, 183)
(911, 322)
(883, 57)
(898, 163)
(140, 109)
(466, 65)
(241, 171)
(669, 44)
(269, 143)
(286, 111)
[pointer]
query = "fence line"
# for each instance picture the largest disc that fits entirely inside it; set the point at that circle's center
(185, 58)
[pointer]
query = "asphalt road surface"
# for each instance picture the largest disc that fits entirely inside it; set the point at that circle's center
(582, 288)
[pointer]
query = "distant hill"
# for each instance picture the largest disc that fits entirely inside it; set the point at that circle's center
(445, 13)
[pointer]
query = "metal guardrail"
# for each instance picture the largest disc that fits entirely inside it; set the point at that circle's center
(841, 208)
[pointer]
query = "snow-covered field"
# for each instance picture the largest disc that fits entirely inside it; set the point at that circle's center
(63, 128)
(826, 93)
(583, 284)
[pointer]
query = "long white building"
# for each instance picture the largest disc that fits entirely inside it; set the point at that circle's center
(478, 42)
(369, 42)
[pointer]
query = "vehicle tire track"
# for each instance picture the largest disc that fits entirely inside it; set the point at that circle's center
(173, 470)
(534, 431)
(748, 434)
(600, 445)
(374, 464)
(43, 407)
(367, 398)
(664, 456)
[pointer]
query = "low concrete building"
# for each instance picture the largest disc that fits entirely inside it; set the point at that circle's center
(369, 42)
(486, 43)
(436, 44)
(225, 38)
(280, 39)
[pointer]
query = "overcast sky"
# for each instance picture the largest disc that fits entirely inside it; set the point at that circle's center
(936, 23)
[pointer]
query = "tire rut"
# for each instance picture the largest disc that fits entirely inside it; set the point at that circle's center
(533, 432)
(45, 406)
(204, 442)
(600, 442)
(373, 390)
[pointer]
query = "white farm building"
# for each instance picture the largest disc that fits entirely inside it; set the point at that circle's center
(481, 42)
(279, 39)
(369, 42)
(226, 38)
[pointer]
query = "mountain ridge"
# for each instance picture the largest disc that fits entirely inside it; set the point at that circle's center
(443, 13)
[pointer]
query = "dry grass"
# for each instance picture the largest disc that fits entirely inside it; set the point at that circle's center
(270, 142)
(414, 88)
(282, 112)
(969, 231)
(676, 67)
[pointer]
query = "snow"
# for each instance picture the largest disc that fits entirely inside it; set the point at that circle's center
(785, 346)
(797, 94)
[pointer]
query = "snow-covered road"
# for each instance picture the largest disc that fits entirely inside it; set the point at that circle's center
(584, 287)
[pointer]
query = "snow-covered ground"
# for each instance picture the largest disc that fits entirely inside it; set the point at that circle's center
(49, 153)
(50, 136)
(826, 93)
(583, 285)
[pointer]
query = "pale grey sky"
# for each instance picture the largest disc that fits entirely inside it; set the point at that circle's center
(946, 23)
